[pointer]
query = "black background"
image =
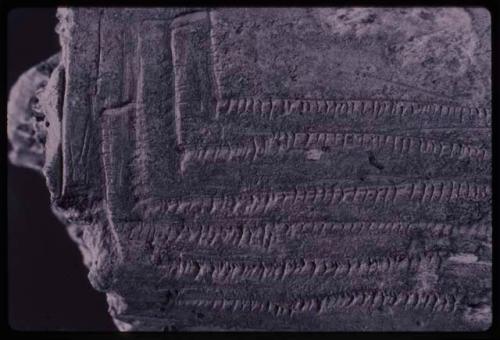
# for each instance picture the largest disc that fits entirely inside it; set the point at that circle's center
(48, 287)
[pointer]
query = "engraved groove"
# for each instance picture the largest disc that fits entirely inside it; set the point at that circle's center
(279, 143)
(370, 110)
(431, 301)
(265, 236)
(254, 204)
(238, 271)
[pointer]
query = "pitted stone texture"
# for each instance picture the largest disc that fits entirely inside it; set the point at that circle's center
(273, 169)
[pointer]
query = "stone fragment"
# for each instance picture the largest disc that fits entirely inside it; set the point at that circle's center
(303, 169)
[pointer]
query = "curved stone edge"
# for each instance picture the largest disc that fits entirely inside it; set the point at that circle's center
(26, 128)
(34, 123)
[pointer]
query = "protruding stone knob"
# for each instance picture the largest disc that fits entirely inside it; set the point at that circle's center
(27, 123)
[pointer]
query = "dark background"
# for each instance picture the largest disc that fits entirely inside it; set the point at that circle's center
(48, 287)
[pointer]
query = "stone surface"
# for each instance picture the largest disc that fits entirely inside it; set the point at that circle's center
(271, 169)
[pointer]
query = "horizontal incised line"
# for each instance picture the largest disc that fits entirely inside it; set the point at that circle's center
(263, 235)
(371, 109)
(253, 148)
(237, 271)
(258, 203)
(370, 299)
